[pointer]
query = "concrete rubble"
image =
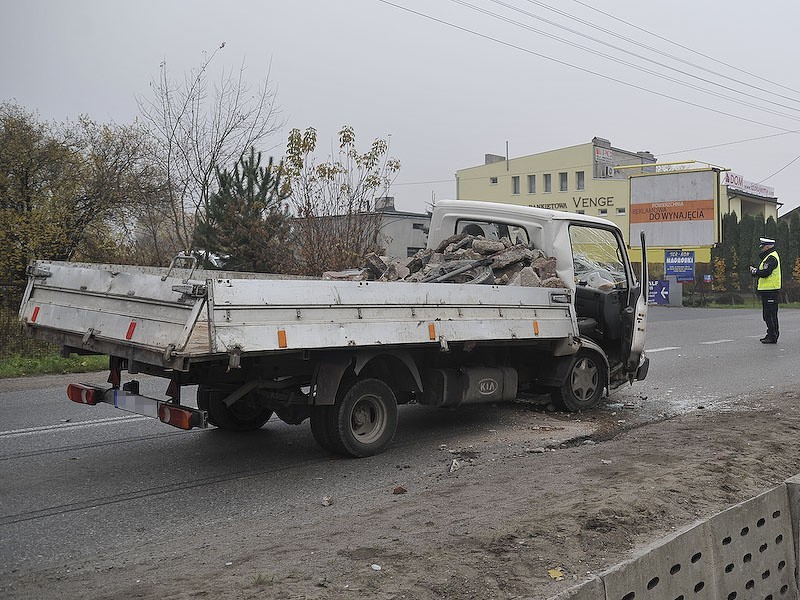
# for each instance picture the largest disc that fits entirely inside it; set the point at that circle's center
(462, 258)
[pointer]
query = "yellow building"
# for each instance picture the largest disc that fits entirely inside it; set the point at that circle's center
(593, 179)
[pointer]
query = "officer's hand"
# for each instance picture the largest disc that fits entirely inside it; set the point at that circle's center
(753, 270)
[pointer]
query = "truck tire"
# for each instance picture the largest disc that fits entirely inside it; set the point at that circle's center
(246, 414)
(584, 385)
(320, 427)
(364, 419)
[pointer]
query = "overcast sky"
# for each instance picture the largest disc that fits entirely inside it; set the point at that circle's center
(450, 81)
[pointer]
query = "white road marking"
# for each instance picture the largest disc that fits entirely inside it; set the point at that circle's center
(650, 350)
(77, 425)
(716, 342)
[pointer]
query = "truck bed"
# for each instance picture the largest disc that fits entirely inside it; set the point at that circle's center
(171, 320)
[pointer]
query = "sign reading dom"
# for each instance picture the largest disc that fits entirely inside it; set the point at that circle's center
(679, 264)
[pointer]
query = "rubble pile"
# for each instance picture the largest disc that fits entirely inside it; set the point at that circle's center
(463, 258)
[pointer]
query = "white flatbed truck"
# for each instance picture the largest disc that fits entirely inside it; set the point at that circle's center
(345, 354)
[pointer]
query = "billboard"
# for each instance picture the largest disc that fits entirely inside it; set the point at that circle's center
(675, 208)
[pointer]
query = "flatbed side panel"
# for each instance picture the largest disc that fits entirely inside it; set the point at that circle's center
(130, 309)
(254, 337)
(323, 314)
(321, 293)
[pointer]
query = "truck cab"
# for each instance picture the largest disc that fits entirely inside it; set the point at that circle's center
(592, 262)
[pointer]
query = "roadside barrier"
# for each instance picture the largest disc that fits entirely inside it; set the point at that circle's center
(747, 552)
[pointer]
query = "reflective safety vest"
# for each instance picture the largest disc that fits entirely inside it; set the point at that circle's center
(773, 280)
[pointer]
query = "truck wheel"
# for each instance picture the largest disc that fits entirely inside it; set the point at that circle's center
(584, 384)
(246, 414)
(320, 427)
(364, 419)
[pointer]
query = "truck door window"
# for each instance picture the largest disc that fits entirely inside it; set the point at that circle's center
(493, 231)
(597, 258)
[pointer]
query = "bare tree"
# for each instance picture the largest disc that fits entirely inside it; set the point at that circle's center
(197, 131)
(334, 201)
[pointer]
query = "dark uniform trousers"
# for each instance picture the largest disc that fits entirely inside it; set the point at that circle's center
(769, 310)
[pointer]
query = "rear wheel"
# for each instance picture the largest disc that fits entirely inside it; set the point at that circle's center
(583, 387)
(361, 423)
(320, 427)
(246, 414)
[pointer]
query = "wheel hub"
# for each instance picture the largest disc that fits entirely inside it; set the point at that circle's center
(584, 379)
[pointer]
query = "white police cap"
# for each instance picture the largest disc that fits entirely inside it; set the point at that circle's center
(764, 241)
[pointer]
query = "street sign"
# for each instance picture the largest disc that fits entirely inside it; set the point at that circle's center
(679, 264)
(658, 292)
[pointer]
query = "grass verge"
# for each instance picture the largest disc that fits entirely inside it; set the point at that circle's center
(22, 366)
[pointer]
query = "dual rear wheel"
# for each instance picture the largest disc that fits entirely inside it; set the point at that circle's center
(246, 414)
(361, 423)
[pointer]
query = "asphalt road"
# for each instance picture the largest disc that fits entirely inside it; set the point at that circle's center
(80, 482)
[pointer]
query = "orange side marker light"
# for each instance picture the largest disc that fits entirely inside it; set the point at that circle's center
(536, 327)
(432, 331)
(282, 338)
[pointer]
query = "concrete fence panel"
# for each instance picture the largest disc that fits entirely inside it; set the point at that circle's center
(747, 552)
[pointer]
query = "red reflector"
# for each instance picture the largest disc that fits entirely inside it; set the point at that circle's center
(83, 394)
(131, 327)
(175, 416)
(35, 314)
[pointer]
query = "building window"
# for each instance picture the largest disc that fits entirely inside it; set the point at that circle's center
(515, 185)
(580, 181)
(548, 185)
(562, 182)
(531, 184)
(621, 210)
(492, 180)
(603, 211)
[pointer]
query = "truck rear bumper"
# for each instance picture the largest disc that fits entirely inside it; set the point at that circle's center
(130, 400)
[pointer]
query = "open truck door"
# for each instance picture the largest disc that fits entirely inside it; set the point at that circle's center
(636, 313)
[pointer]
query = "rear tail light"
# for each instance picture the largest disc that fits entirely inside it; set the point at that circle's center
(84, 394)
(179, 416)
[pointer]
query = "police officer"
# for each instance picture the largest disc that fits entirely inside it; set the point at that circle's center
(768, 275)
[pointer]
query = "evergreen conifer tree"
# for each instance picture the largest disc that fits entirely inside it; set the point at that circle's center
(247, 224)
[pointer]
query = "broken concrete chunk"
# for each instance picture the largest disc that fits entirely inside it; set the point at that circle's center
(484, 246)
(545, 267)
(510, 256)
(375, 264)
(463, 254)
(394, 272)
(347, 275)
(451, 240)
(526, 277)
(419, 260)
(553, 282)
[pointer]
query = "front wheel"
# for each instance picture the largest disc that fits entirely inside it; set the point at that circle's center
(583, 387)
(361, 423)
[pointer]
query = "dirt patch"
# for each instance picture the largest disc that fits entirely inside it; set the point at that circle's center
(562, 493)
